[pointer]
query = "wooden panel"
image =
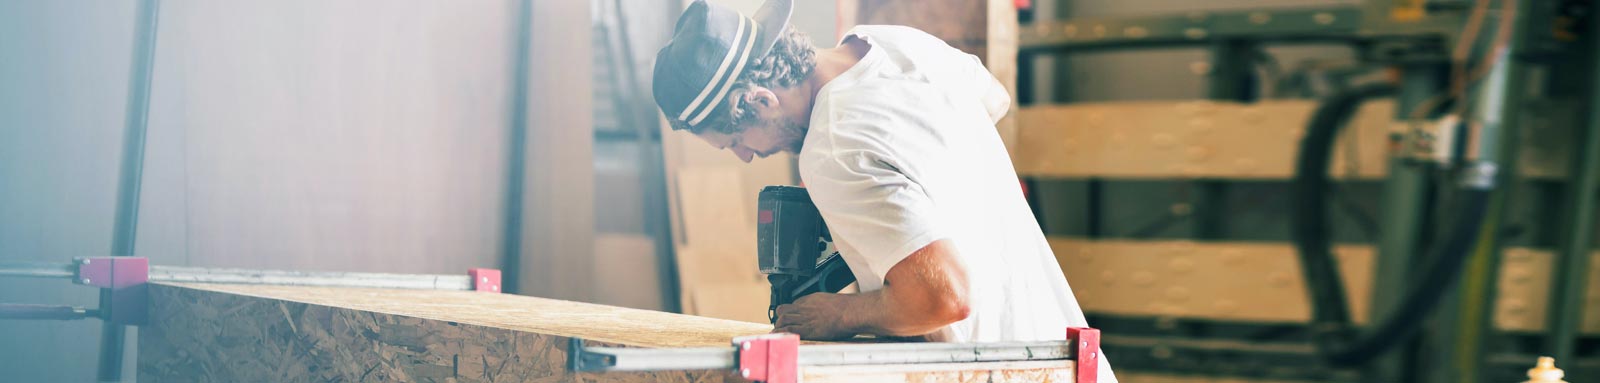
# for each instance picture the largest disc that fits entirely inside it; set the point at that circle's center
(260, 333)
(1262, 282)
(1524, 294)
(558, 210)
(274, 333)
(1189, 139)
(1222, 281)
(1208, 139)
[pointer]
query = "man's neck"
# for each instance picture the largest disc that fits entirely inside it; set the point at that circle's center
(832, 62)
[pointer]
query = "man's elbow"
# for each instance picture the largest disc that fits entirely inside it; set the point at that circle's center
(950, 307)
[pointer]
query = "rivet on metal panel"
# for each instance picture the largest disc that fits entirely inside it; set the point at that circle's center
(1135, 32)
(1070, 30)
(1099, 31)
(1161, 352)
(1200, 68)
(1323, 18)
(1260, 17)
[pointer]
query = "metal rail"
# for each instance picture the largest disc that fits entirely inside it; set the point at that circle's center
(602, 359)
(181, 274)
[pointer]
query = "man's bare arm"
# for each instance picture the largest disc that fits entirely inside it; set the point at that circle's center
(923, 293)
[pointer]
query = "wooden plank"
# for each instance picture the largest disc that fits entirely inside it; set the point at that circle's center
(280, 333)
(1261, 282)
(558, 207)
(1524, 293)
(1258, 282)
(1190, 139)
(1209, 139)
(263, 333)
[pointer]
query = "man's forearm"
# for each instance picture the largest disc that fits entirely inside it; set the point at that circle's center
(878, 312)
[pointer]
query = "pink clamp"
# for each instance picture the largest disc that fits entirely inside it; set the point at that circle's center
(769, 358)
(485, 280)
(124, 278)
(1087, 342)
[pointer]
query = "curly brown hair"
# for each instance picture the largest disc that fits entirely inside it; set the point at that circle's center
(791, 60)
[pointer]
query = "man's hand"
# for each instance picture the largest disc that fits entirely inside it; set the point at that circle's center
(820, 316)
(923, 293)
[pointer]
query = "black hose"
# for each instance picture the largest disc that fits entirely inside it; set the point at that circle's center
(1335, 340)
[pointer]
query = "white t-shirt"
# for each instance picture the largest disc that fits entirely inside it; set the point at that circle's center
(902, 151)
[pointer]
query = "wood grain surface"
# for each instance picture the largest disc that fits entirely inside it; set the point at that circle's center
(243, 333)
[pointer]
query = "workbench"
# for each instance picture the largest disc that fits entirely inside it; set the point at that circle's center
(217, 332)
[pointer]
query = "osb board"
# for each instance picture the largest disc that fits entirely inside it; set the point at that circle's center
(1524, 294)
(232, 333)
(1221, 281)
(1190, 139)
(1262, 281)
(296, 334)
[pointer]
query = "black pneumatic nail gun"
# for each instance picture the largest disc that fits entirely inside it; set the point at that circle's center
(797, 253)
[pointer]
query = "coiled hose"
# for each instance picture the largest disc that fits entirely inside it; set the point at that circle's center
(1335, 338)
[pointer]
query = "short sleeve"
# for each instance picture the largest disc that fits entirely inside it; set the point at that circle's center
(990, 91)
(870, 205)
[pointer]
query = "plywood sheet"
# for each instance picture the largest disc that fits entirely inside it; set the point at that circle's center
(267, 333)
(1262, 281)
(1190, 139)
(262, 333)
(1524, 293)
(1222, 281)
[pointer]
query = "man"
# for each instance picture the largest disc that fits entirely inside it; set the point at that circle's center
(897, 146)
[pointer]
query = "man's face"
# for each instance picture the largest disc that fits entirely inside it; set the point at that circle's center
(774, 130)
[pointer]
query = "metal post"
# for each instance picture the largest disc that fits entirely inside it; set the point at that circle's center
(1402, 217)
(112, 335)
(1229, 81)
(1570, 282)
(1497, 109)
(516, 173)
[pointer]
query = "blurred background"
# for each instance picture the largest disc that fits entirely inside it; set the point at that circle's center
(1157, 140)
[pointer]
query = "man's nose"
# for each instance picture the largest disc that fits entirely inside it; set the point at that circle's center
(744, 154)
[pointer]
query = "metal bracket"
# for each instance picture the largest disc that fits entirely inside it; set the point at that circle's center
(124, 297)
(485, 280)
(1086, 342)
(770, 358)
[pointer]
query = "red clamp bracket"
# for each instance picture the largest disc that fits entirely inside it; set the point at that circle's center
(126, 300)
(769, 358)
(485, 280)
(1087, 347)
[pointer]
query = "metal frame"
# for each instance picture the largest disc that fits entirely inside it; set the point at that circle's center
(1401, 33)
(124, 284)
(779, 357)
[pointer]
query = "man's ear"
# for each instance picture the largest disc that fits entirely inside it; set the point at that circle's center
(761, 98)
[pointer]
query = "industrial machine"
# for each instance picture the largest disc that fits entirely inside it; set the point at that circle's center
(796, 252)
(1488, 97)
